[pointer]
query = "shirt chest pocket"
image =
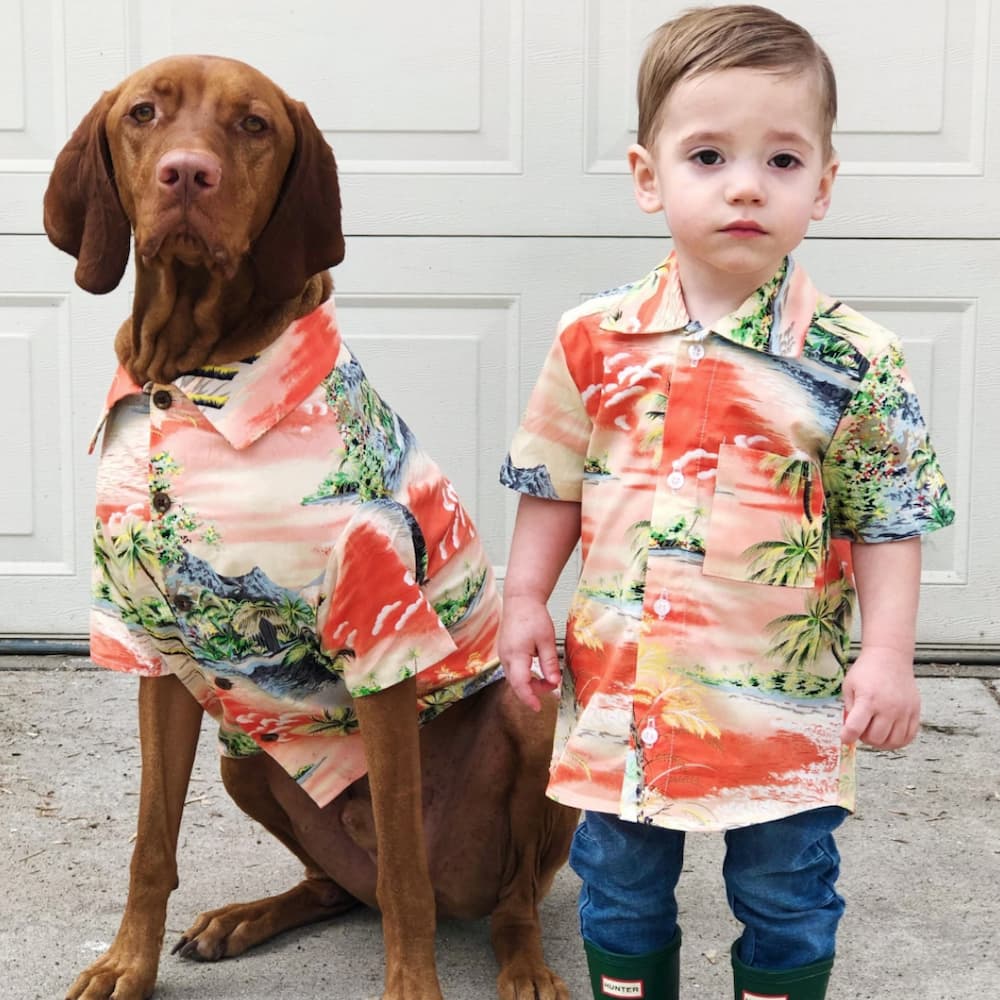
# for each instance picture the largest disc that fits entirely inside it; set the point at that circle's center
(766, 524)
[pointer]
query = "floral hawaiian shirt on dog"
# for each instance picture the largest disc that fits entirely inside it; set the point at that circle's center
(723, 474)
(270, 532)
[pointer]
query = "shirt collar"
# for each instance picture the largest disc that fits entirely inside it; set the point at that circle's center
(774, 319)
(244, 400)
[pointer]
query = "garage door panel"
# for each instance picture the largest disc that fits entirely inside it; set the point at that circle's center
(56, 358)
(36, 513)
(397, 87)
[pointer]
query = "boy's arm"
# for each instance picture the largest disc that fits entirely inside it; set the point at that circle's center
(881, 698)
(545, 534)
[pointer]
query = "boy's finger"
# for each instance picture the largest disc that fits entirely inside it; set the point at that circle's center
(541, 688)
(526, 695)
(550, 666)
(856, 723)
(878, 733)
(518, 671)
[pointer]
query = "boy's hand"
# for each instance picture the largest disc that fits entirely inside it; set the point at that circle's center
(526, 632)
(881, 699)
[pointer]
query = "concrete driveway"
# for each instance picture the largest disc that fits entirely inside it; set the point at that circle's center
(921, 863)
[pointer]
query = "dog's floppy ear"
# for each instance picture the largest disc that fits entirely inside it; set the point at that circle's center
(303, 235)
(83, 215)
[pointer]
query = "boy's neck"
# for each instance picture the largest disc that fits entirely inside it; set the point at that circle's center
(708, 297)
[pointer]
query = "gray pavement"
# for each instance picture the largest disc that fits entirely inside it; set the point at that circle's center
(921, 864)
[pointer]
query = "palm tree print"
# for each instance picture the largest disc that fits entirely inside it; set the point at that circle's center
(677, 698)
(135, 550)
(829, 340)
(794, 474)
(800, 640)
(790, 562)
(340, 721)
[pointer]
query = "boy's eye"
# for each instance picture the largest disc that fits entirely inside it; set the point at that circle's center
(708, 157)
(785, 160)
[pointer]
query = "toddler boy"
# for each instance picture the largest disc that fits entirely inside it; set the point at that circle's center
(738, 454)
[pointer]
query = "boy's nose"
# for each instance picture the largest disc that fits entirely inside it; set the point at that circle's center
(744, 188)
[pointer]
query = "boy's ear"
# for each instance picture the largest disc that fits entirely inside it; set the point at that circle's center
(822, 203)
(647, 191)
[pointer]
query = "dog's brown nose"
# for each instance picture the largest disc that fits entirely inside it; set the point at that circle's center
(189, 172)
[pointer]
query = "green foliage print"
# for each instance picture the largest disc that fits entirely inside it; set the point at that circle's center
(799, 640)
(178, 527)
(371, 437)
(237, 743)
(790, 561)
(830, 341)
(454, 606)
(754, 326)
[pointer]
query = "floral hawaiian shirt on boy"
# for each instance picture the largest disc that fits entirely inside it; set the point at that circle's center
(723, 475)
(270, 532)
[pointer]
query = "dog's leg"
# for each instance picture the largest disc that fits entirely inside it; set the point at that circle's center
(540, 835)
(234, 929)
(231, 930)
(169, 721)
(403, 889)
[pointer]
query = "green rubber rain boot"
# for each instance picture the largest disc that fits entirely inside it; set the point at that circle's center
(654, 976)
(808, 982)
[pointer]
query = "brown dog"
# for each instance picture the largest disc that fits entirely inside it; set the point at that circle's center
(231, 193)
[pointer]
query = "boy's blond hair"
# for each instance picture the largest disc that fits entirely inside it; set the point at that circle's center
(736, 36)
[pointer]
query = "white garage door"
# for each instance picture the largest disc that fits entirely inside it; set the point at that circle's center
(481, 147)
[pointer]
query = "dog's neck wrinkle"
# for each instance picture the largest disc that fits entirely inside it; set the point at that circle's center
(183, 319)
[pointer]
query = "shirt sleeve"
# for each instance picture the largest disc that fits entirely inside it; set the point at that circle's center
(549, 449)
(377, 626)
(881, 475)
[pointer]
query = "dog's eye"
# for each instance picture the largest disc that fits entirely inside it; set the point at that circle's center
(253, 123)
(143, 113)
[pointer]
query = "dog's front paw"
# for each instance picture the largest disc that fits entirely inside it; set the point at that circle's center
(414, 983)
(226, 932)
(116, 974)
(525, 981)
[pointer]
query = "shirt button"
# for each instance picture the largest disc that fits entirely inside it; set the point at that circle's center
(183, 603)
(662, 606)
(161, 502)
(649, 735)
(675, 480)
(696, 352)
(162, 399)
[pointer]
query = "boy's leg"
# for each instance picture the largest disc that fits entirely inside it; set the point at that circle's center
(628, 911)
(781, 884)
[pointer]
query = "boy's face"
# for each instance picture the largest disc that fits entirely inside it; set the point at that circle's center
(739, 167)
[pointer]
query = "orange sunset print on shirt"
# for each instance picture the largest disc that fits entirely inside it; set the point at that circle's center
(723, 475)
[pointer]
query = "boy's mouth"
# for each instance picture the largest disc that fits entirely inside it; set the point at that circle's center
(744, 227)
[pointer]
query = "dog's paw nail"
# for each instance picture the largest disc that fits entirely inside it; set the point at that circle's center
(177, 947)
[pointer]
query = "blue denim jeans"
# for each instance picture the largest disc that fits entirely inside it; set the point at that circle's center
(780, 882)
